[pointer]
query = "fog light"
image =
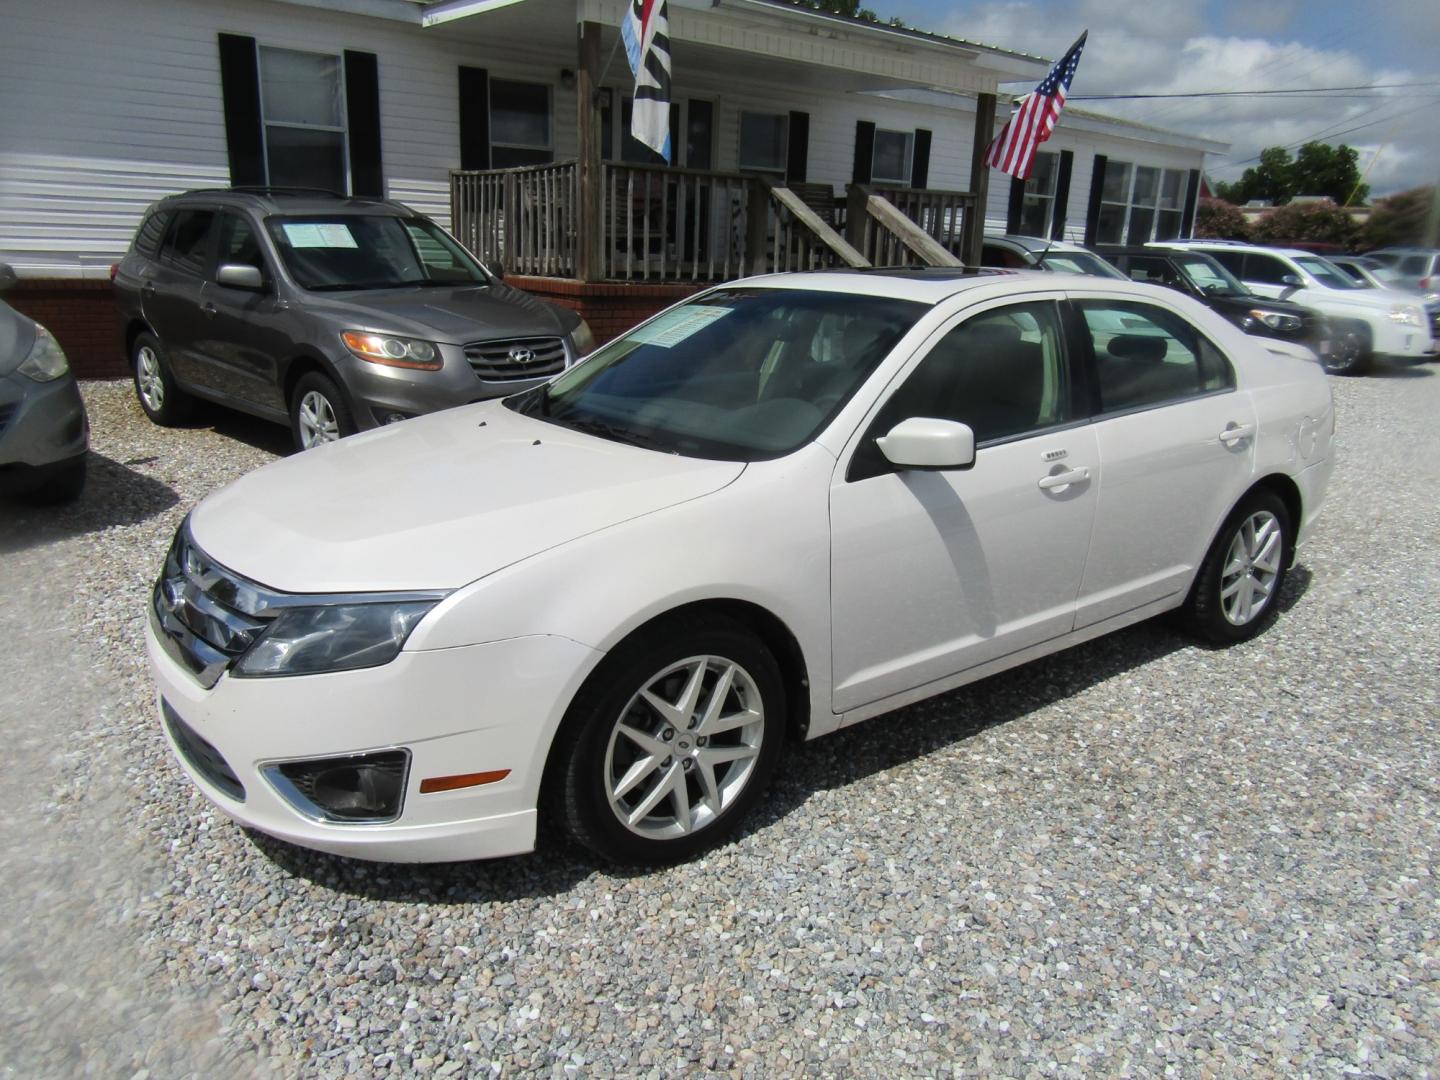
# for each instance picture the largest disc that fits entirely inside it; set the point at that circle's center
(359, 789)
(394, 417)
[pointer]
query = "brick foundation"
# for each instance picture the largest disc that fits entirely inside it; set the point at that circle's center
(81, 315)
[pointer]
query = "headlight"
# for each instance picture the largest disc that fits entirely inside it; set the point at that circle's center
(46, 361)
(583, 338)
(305, 641)
(392, 351)
(1407, 316)
(1276, 320)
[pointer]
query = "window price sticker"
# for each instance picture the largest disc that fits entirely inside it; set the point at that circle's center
(326, 235)
(675, 326)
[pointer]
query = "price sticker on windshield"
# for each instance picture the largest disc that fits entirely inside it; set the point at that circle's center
(319, 235)
(675, 326)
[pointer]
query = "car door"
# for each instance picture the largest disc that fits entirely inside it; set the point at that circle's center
(244, 338)
(936, 572)
(1267, 275)
(1176, 440)
(170, 291)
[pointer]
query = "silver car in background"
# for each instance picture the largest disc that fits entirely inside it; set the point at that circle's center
(44, 433)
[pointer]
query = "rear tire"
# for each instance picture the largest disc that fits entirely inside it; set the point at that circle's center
(1351, 350)
(155, 388)
(1238, 586)
(319, 413)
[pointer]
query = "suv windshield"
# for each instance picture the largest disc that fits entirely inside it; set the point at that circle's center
(1079, 262)
(738, 375)
(370, 251)
(1209, 276)
(1325, 272)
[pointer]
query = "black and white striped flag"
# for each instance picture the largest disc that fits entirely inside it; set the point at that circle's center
(647, 46)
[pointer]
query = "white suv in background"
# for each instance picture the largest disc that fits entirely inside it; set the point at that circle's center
(1364, 321)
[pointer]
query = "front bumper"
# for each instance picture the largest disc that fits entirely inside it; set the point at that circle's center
(41, 423)
(480, 708)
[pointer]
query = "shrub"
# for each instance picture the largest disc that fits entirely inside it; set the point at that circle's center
(1316, 222)
(1216, 219)
(1400, 219)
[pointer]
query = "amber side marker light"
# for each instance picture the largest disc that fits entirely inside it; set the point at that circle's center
(432, 784)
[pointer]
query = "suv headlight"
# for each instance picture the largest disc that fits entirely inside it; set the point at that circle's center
(393, 351)
(46, 361)
(1275, 320)
(1407, 316)
(341, 637)
(583, 338)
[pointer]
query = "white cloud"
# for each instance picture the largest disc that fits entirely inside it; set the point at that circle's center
(1169, 46)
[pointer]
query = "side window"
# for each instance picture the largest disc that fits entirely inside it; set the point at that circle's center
(188, 245)
(151, 232)
(1233, 261)
(239, 243)
(1146, 356)
(1265, 269)
(1414, 265)
(1152, 270)
(1003, 373)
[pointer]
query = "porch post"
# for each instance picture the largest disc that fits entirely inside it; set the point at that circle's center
(589, 265)
(974, 228)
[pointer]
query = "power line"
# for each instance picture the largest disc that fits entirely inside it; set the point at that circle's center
(1326, 133)
(1249, 93)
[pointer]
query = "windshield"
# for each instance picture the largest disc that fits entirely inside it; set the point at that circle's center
(370, 251)
(1079, 262)
(739, 374)
(1326, 272)
(1209, 276)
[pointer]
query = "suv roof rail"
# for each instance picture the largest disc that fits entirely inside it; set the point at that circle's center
(262, 189)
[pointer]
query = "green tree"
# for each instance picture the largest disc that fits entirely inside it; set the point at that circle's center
(1315, 222)
(850, 8)
(1400, 219)
(1216, 219)
(1318, 169)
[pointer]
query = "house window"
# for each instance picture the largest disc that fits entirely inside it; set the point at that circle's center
(520, 127)
(1140, 203)
(894, 151)
(302, 101)
(1037, 210)
(762, 141)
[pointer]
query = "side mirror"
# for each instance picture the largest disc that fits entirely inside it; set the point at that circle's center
(1292, 281)
(240, 276)
(495, 268)
(923, 442)
(7, 276)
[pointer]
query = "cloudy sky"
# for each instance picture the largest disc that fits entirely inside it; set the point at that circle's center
(1154, 46)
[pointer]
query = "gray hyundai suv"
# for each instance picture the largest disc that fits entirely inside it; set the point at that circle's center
(333, 315)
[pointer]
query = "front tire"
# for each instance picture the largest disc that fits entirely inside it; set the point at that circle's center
(1239, 583)
(670, 743)
(160, 398)
(319, 413)
(1352, 350)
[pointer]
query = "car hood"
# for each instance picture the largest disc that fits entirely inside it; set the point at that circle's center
(452, 314)
(1241, 304)
(437, 502)
(1372, 300)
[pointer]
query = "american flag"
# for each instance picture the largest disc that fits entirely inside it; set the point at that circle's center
(646, 31)
(1013, 150)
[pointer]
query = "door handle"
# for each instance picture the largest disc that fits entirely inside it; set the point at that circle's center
(1233, 433)
(1064, 479)
(147, 288)
(209, 309)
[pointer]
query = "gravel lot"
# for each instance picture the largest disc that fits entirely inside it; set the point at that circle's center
(1141, 857)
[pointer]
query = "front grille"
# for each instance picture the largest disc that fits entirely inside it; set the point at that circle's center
(205, 614)
(516, 358)
(201, 756)
(1434, 315)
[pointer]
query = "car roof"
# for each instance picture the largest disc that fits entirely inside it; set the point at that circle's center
(1034, 244)
(280, 200)
(1240, 245)
(931, 285)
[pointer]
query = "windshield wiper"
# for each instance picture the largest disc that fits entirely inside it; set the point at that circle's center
(609, 431)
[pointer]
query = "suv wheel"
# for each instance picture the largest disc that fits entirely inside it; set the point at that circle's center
(318, 412)
(1351, 351)
(163, 402)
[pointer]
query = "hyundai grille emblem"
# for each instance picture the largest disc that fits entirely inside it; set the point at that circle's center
(521, 355)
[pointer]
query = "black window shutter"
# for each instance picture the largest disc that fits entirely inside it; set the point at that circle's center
(1092, 212)
(797, 154)
(1062, 195)
(1017, 203)
(1192, 202)
(474, 118)
(240, 89)
(362, 114)
(920, 162)
(864, 151)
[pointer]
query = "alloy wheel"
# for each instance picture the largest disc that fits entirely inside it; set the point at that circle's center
(684, 747)
(318, 423)
(1252, 565)
(148, 379)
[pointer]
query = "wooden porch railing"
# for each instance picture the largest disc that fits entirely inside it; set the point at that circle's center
(888, 225)
(662, 224)
(525, 218)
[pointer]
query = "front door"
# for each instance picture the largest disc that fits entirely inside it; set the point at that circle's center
(933, 573)
(244, 339)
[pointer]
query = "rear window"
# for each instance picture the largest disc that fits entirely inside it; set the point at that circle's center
(151, 232)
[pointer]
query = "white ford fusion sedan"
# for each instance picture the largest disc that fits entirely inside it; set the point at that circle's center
(787, 505)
